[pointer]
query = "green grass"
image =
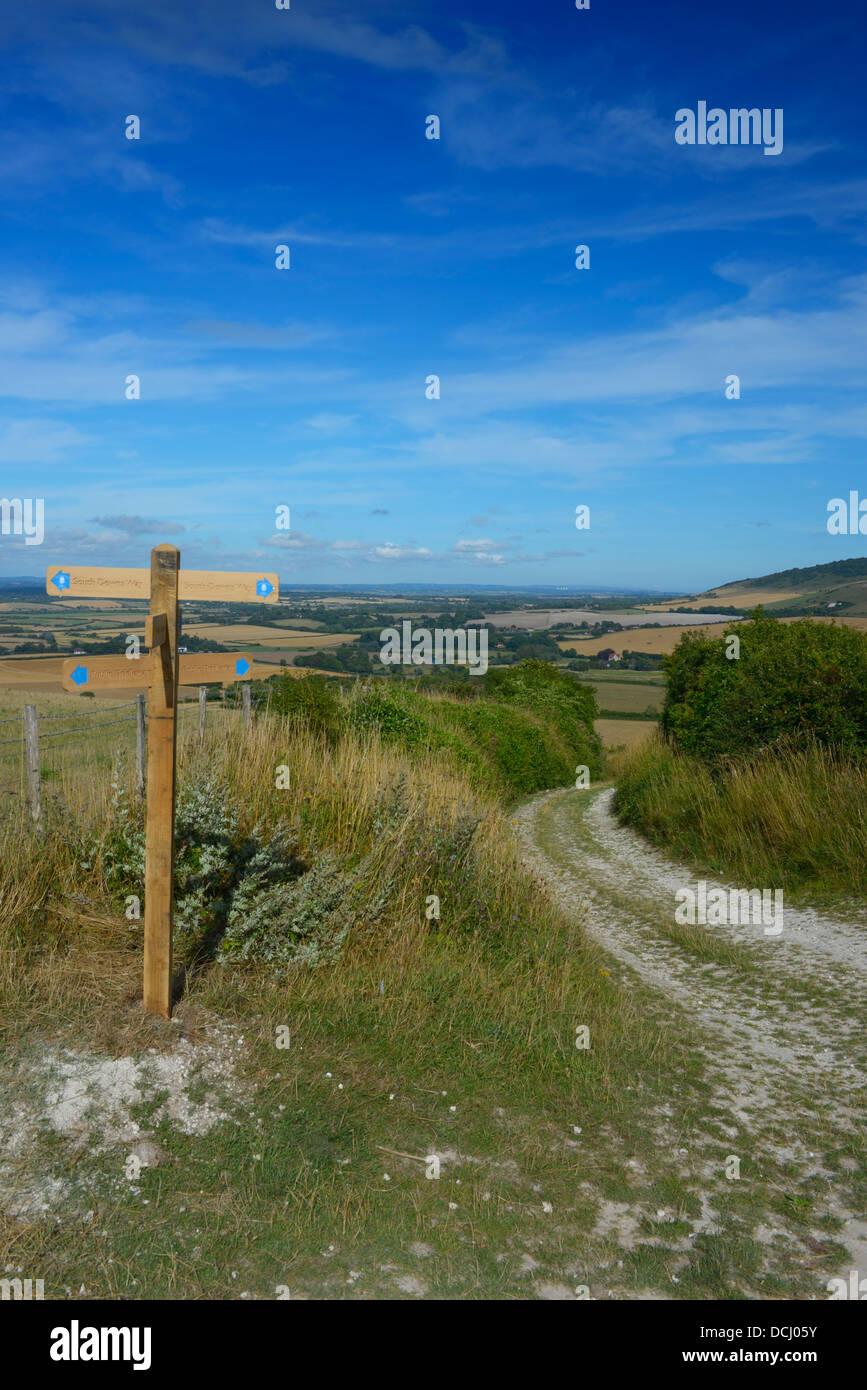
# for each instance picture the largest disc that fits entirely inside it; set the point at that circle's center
(481, 1004)
(513, 731)
(795, 819)
(617, 698)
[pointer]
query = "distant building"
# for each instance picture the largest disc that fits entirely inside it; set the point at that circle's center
(78, 651)
(608, 654)
(182, 649)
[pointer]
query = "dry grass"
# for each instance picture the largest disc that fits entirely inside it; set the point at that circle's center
(619, 733)
(67, 960)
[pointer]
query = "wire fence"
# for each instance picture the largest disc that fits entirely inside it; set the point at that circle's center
(32, 767)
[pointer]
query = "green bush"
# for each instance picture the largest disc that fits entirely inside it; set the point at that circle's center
(526, 729)
(798, 682)
(393, 710)
(309, 700)
(236, 895)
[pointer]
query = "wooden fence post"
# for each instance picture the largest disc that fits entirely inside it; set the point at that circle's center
(140, 745)
(162, 741)
(31, 745)
(248, 711)
(203, 713)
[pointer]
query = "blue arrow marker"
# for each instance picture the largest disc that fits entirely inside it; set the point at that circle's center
(60, 579)
(264, 587)
(79, 675)
(241, 667)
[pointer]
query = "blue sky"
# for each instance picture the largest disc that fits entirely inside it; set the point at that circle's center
(410, 257)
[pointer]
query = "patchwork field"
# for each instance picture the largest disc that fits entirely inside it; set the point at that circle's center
(245, 633)
(738, 593)
(53, 607)
(666, 639)
(639, 639)
(538, 619)
(306, 624)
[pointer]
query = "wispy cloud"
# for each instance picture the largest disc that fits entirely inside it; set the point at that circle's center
(138, 525)
(38, 441)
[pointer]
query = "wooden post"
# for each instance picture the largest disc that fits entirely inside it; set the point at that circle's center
(165, 671)
(203, 713)
(31, 745)
(140, 745)
(248, 713)
(162, 739)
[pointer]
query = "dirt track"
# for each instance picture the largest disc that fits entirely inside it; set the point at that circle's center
(781, 1017)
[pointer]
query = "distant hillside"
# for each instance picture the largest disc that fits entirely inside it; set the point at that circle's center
(838, 587)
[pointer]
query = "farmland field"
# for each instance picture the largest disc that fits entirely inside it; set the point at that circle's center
(618, 676)
(13, 606)
(641, 639)
(630, 697)
(616, 733)
(735, 595)
(245, 633)
(663, 640)
(538, 619)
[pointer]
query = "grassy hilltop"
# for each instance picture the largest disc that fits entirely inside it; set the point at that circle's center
(311, 908)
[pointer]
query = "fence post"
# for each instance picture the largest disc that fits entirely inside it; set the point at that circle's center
(140, 745)
(203, 713)
(31, 742)
(248, 712)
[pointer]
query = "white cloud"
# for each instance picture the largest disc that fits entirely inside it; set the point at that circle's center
(330, 422)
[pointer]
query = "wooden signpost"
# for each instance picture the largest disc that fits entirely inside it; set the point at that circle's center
(89, 581)
(162, 670)
(124, 673)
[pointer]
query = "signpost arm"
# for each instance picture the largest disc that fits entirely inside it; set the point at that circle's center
(162, 738)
